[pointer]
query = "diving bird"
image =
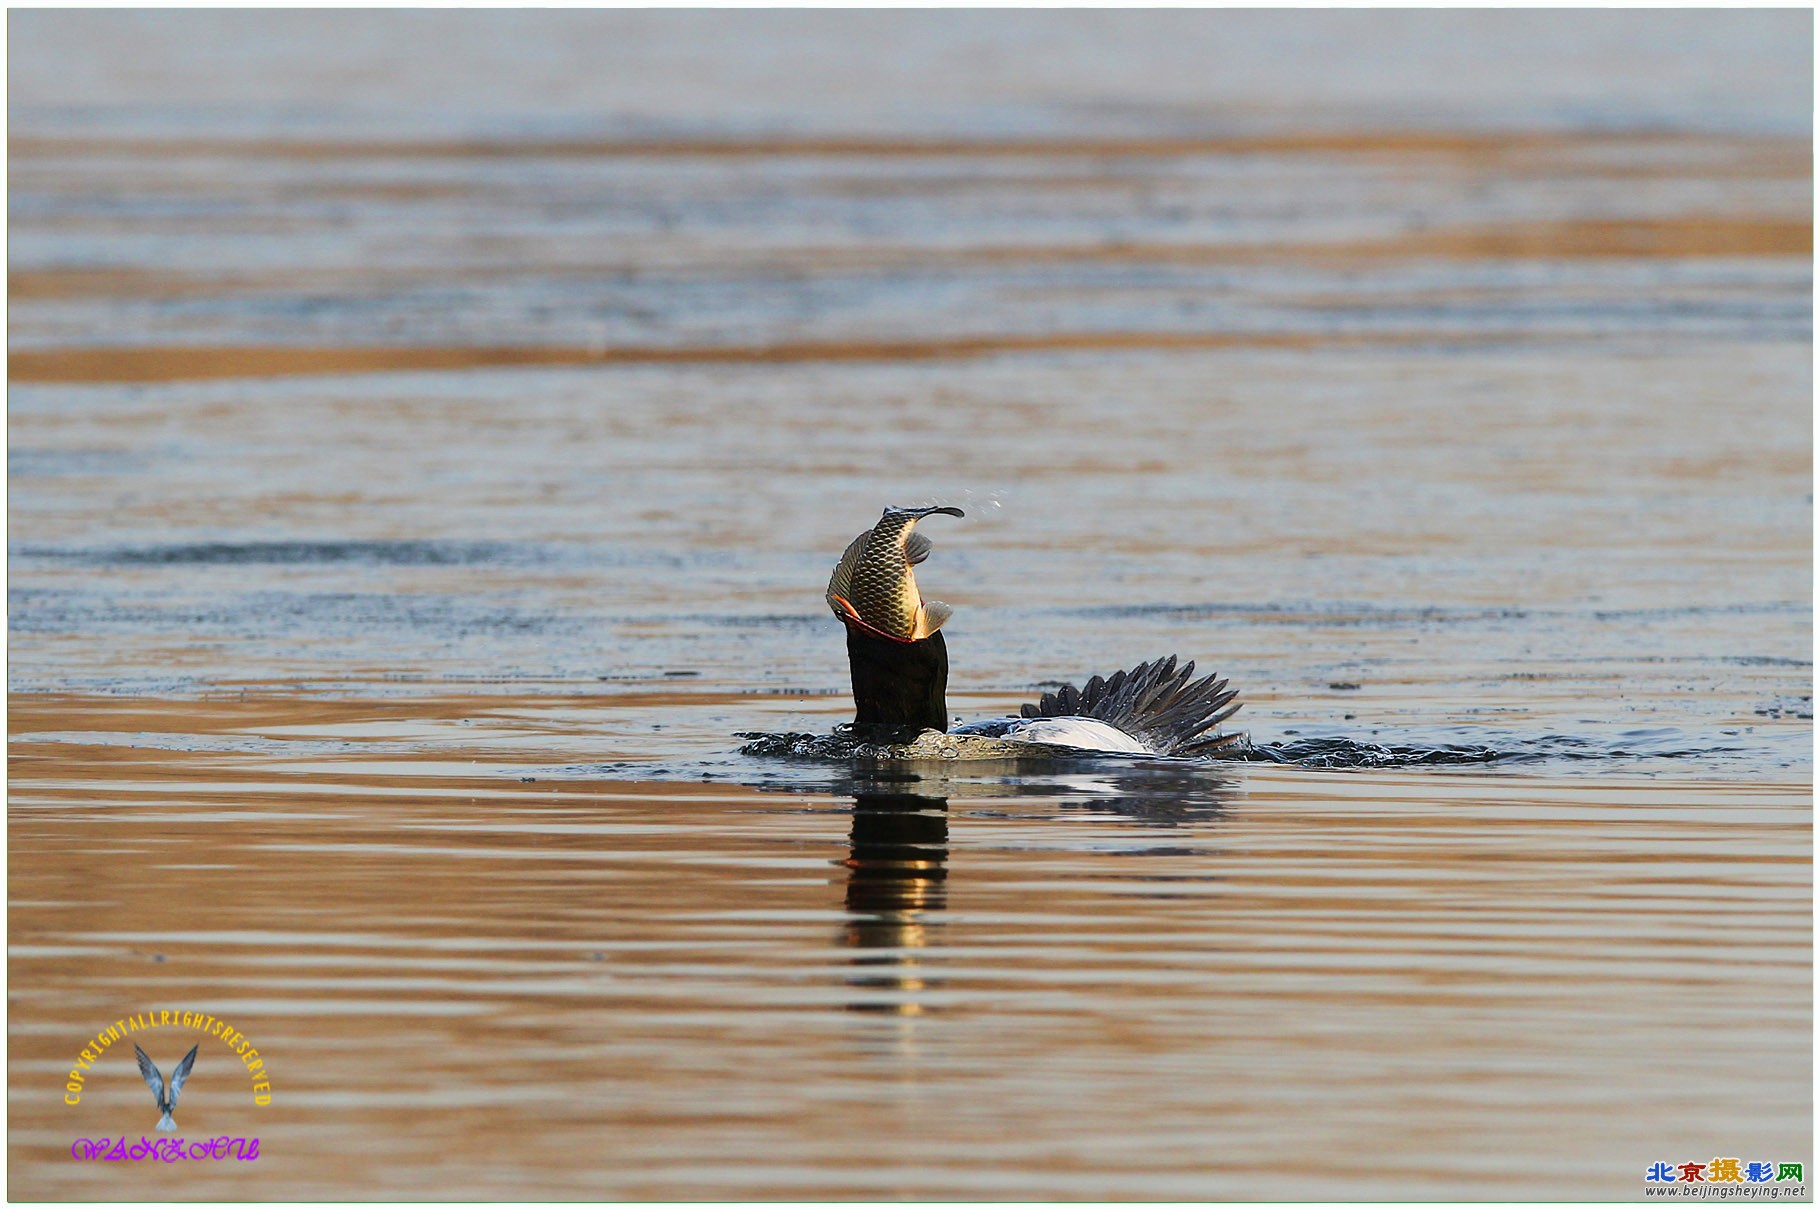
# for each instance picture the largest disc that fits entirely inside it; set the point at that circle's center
(166, 1094)
(899, 663)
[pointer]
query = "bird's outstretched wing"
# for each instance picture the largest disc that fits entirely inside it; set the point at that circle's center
(181, 1074)
(153, 1078)
(1156, 702)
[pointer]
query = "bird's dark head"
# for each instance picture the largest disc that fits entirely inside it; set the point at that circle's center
(901, 686)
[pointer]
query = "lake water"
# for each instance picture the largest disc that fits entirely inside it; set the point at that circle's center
(429, 438)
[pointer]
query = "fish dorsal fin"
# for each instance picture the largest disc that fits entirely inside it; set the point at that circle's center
(930, 618)
(840, 584)
(916, 549)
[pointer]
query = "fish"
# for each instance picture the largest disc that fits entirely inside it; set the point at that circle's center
(874, 584)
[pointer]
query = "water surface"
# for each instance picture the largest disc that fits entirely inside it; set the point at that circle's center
(424, 467)
(1240, 983)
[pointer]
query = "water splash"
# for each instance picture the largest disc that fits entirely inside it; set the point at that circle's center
(1315, 752)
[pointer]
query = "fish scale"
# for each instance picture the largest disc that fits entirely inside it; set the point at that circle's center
(884, 584)
(875, 577)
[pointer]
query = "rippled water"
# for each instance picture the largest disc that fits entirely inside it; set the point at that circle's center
(422, 475)
(1062, 984)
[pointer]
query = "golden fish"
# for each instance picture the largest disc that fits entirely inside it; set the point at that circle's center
(873, 587)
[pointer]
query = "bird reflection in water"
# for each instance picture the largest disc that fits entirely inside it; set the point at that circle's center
(896, 879)
(898, 852)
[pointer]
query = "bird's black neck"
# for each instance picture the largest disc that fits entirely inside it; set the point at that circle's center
(899, 684)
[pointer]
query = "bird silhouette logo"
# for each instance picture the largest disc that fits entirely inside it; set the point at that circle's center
(163, 1093)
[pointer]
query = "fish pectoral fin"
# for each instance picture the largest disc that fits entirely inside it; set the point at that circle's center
(930, 617)
(917, 548)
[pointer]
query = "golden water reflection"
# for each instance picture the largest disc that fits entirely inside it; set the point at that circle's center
(896, 879)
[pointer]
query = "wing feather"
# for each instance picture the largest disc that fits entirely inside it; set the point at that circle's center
(1158, 703)
(154, 1079)
(181, 1074)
